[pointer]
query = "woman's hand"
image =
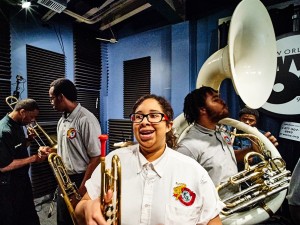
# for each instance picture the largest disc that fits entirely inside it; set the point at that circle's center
(89, 211)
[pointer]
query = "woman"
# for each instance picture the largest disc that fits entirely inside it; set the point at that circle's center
(159, 185)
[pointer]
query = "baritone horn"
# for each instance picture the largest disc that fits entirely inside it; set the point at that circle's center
(34, 127)
(110, 180)
(250, 61)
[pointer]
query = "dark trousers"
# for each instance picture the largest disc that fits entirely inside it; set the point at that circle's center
(63, 215)
(16, 202)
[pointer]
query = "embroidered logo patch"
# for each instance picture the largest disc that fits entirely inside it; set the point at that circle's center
(227, 139)
(71, 133)
(184, 194)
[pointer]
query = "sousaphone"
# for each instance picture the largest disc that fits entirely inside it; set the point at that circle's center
(250, 61)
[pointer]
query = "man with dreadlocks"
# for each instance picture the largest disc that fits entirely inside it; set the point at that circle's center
(206, 141)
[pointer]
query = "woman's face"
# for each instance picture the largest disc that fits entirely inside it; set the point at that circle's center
(151, 136)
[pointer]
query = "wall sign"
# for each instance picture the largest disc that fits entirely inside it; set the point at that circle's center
(284, 101)
(290, 130)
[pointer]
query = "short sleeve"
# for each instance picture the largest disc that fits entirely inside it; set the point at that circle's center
(6, 150)
(91, 131)
(93, 184)
(212, 205)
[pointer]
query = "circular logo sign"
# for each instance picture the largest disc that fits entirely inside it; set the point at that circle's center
(284, 100)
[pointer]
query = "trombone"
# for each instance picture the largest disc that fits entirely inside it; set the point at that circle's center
(67, 187)
(33, 127)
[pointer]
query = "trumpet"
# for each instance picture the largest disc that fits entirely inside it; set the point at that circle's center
(34, 127)
(110, 179)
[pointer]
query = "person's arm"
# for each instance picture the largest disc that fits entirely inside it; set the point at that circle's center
(215, 221)
(18, 163)
(88, 211)
(94, 162)
(240, 153)
(89, 126)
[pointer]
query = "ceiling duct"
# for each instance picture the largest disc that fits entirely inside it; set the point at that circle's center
(112, 12)
(109, 14)
(55, 5)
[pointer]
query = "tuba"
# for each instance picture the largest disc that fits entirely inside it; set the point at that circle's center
(266, 182)
(250, 61)
(110, 179)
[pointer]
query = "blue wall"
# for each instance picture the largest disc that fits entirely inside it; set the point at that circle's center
(26, 32)
(177, 53)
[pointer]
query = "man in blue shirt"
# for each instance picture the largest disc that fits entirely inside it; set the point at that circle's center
(250, 117)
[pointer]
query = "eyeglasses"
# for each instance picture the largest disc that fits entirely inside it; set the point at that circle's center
(151, 117)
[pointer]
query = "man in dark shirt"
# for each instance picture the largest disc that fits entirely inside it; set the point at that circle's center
(250, 117)
(16, 198)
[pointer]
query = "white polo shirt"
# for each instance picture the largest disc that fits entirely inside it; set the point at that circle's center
(77, 138)
(174, 189)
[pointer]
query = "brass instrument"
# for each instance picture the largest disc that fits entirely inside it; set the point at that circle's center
(264, 184)
(110, 180)
(34, 127)
(250, 61)
(64, 182)
(11, 101)
(259, 181)
(68, 188)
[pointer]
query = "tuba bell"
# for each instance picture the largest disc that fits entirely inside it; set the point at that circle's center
(250, 61)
